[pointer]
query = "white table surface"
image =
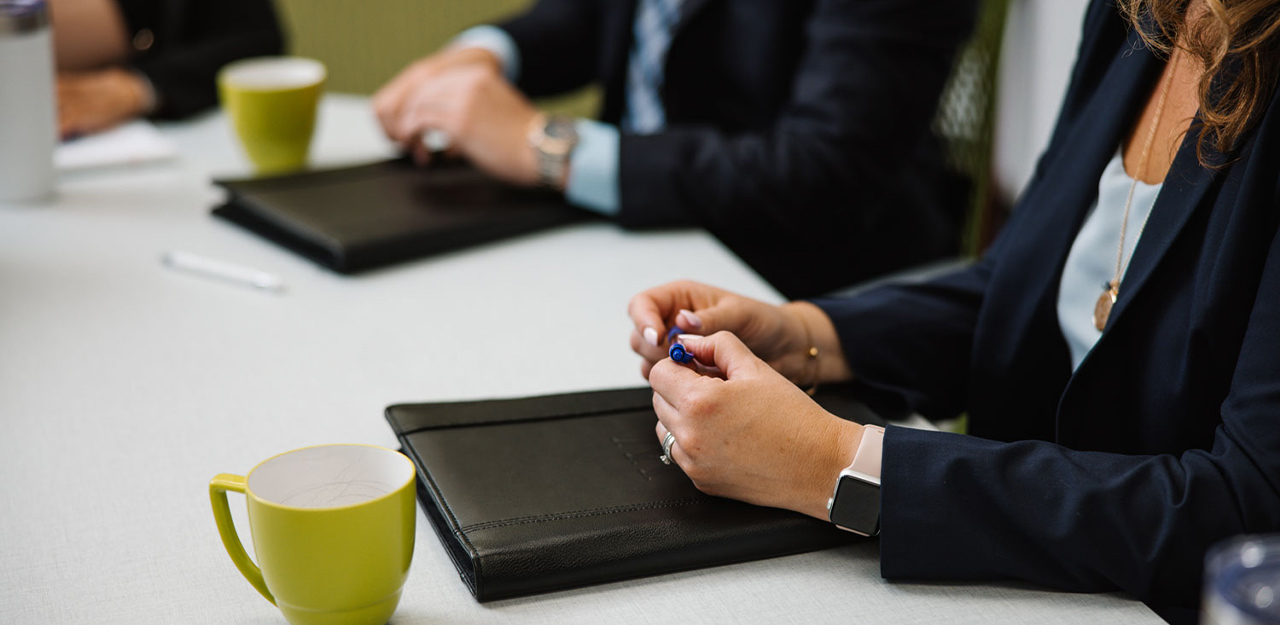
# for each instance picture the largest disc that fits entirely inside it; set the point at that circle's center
(124, 387)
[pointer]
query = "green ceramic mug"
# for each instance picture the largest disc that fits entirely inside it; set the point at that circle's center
(271, 102)
(332, 528)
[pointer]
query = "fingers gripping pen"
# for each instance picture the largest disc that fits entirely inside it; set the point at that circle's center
(677, 352)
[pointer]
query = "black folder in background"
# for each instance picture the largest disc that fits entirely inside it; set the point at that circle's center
(546, 493)
(359, 218)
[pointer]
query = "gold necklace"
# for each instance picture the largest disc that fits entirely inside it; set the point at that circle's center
(1111, 291)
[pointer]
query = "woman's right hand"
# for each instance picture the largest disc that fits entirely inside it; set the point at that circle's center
(780, 335)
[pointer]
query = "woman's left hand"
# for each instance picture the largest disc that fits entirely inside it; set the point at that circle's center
(95, 101)
(752, 436)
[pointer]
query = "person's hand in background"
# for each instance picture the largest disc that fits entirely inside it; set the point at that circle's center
(753, 435)
(780, 335)
(461, 93)
(94, 101)
(485, 118)
(393, 96)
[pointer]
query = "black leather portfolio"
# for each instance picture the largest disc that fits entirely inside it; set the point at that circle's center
(548, 493)
(359, 218)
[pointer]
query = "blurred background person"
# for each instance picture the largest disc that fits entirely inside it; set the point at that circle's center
(122, 59)
(796, 132)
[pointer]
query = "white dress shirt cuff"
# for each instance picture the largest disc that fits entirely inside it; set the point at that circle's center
(494, 40)
(593, 168)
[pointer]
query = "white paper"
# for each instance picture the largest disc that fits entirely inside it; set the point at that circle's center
(127, 144)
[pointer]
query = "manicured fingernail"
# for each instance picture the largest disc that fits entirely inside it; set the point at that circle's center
(689, 320)
(651, 336)
(685, 338)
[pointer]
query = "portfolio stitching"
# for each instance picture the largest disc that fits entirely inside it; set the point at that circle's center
(579, 514)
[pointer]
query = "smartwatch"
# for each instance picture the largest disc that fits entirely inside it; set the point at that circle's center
(553, 139)
(855, 504)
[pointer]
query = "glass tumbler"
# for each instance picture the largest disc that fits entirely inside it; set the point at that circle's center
(1242, 582)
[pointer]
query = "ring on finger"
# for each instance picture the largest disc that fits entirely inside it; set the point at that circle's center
(667, 442)
(436, 140)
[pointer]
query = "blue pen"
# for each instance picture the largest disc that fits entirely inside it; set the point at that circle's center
(677, 352)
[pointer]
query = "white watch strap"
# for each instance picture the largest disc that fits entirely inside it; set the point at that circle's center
(866, 459)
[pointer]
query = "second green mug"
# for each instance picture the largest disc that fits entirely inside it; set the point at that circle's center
(271, 102)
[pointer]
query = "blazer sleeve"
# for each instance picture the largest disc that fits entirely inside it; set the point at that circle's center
(959, 507)
(865, 91)
(916, 352)
(559, 44)
(911, 345)
(193, 44)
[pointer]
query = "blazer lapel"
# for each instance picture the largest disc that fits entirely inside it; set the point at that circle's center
(618, 36)
(1024, 285)
(1184, 187)
(688, 9)
(1071, 180)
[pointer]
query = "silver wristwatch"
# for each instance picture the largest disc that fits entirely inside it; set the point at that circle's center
(553, 139)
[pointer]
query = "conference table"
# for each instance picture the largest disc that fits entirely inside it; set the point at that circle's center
(125, 386)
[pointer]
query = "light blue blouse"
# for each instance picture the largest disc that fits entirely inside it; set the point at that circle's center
(1091, 264)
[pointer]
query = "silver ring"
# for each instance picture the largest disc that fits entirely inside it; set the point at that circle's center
(667, 442)
(436, 140)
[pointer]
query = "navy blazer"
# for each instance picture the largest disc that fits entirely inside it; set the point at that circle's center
(797, 132)
(1164, 441)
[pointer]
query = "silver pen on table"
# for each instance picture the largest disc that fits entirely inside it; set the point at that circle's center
(222, 270)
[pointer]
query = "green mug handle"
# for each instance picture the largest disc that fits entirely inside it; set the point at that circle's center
(218, 488)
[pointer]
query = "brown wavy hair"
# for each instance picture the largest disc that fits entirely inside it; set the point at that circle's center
(1237, 42)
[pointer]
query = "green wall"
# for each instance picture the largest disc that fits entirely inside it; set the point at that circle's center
(366, 42)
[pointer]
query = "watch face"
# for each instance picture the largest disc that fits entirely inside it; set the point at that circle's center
(561, 129)
(857, 506)
(558, 138)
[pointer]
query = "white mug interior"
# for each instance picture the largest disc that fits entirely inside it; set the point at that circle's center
(274, 73)
(330, 476)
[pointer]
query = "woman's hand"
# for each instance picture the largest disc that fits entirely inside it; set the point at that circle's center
(95, 101)
(753, 435)
(781, 335)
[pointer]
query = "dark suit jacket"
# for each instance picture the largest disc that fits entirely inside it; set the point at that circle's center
(1167, 437)
(797, 132)
(190, 40)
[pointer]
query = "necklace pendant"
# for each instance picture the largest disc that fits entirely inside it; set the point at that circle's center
(1102, 310)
